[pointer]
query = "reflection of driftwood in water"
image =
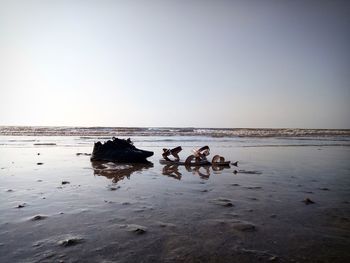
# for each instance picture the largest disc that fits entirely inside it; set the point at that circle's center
(172, 170)
(117, 171)
(197, 170)
(217, 168)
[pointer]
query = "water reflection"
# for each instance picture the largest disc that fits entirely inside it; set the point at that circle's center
(204, 171)
(218, 168)
(172, 170)
(117, 171)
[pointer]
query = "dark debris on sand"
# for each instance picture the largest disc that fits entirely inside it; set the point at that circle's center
(71, 241)
(113, 188)
(38, 217)
(308, 201)
(85, 154)
(21, 205)
(324, 188)
(137, 229)
(223, 202)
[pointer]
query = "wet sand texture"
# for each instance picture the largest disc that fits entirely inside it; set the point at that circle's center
(283, 204)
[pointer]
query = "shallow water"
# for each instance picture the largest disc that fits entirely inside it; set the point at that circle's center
(98, 212)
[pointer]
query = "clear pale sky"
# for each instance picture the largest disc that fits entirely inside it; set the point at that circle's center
(175, 63)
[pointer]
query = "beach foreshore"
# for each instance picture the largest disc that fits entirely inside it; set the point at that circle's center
(289, 203)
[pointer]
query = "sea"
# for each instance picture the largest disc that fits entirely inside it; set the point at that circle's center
(242, 137)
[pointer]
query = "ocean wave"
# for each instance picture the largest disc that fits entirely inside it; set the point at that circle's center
(93, 132)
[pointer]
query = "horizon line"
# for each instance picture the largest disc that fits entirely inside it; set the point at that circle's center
(168, 127)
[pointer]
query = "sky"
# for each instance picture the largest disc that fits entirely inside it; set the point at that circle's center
(229, 64)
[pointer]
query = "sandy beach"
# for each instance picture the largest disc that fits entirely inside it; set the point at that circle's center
(284, 203)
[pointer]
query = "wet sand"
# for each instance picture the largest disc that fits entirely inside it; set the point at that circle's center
(284, 204)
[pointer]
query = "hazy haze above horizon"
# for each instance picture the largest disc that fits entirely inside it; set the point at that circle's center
(175, 63)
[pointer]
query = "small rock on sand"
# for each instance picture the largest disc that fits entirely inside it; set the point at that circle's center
(324, 189)
(113, 188)
(71, 241)
(39, 163)
(65, 182)
(308, 201)
(223, 202)
(164, 224)
(38, 217)
(21, 205)
(86, 154)
(136, 229)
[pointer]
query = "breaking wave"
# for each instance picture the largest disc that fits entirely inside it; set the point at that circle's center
(338, 134)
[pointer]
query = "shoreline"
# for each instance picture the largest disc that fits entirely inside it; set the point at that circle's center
(145, 131)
